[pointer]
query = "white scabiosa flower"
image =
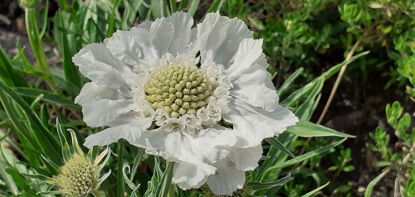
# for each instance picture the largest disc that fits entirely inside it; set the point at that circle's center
(200, 97)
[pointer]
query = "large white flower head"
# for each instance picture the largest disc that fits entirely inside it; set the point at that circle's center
(200, 97)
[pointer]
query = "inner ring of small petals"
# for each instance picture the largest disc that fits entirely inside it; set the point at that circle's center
(178, 90)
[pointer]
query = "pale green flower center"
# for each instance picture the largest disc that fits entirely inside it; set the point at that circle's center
(178, 90)
(77, 176)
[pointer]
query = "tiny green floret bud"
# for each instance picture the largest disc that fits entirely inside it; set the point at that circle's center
(184, 89)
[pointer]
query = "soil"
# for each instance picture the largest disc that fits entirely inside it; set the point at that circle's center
(357, 109)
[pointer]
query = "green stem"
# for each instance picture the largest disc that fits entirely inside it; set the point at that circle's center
(120, 177)
(36, 44)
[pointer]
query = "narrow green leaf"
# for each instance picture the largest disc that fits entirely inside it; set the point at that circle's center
(20, 129)
(172, 6)
(47, 97)
(63, 84)
(130, 184)
(216, 6)
(337, 67)
(303, 157)
(7, 73)
(164, 186)
(27, 67)
(8, 179)
(306, 109)
(45, 139)
(299, 94)
(71, 71)
(277, 183)
(305, 91)
(114, 13)
(35, 176)
(308, 129)
(275, 142)
(368, 192)
(287, 83)
(130, 13)
(136, 163)
(158, 8)
(312, 193)
(51, 164)
(44, 19)
(194, 4)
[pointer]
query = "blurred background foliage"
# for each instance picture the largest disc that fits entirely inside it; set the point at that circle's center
(306, 42)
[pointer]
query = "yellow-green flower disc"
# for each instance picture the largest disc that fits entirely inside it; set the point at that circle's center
(178, 90)
(77, 176)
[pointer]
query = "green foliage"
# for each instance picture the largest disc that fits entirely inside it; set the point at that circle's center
(399, 161)
(405, 45)
(298, 36)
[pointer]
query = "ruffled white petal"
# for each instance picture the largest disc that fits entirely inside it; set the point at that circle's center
(161, 35)
(188, 175)
(227, 179)
(195, 155)
(246, 158)
(182, 24)
(182, 146)
(251, 81)
(252, 124)
(131, 132)
(218, 38)
(101, 112)
(142, 46)
(92, 92)
(98, 64)
(133, 47)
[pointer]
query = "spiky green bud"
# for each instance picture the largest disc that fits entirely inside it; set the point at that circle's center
(77, 177)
